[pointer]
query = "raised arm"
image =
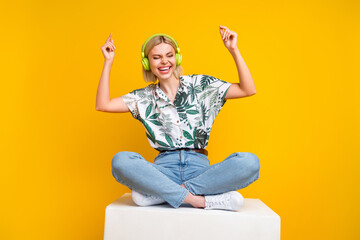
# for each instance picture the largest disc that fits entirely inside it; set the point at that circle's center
(246, 86)
(103, 101)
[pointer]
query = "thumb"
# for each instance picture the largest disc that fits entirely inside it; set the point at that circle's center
(221, 32)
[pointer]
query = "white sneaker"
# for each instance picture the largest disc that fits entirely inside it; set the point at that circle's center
(227, 201)
(145, 199)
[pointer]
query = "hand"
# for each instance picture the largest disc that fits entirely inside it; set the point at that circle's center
(108, 49)
(229, 38)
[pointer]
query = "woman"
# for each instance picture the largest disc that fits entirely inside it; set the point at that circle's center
(178, 113)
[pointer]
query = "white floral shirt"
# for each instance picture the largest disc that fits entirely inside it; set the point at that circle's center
(187, 122)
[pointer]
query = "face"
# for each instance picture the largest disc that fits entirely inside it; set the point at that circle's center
(162, 61)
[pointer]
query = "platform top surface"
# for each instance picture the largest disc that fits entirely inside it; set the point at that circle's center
(252, 207)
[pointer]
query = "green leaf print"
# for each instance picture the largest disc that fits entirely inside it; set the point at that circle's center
(193, 91)
(189, 143)
(154, 116)
(166, 121)
(198, 89)
(205, 113)
(148, 110)
(206, 80)
(168, 139)
(188, 106)
(149, 137)
(192, 112)
(162, 143)
(181, 102)
(137, 91)
(187, 135)
(148, 128)
(156, 122)
(214, 97)
(200, 138)
(182, 116)
(207, 92)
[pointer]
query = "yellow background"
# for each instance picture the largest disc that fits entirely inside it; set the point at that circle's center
(303, 123)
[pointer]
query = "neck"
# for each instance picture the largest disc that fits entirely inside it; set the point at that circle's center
(169, 86)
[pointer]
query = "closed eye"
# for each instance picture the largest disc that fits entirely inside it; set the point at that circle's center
(168, 56)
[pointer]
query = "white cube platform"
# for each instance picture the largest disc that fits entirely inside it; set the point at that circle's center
(126, 221)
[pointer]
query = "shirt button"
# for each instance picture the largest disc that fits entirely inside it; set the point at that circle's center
(177, 121)
(180, 136)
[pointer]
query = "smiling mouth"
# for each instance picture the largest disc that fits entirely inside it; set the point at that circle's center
(164, 69)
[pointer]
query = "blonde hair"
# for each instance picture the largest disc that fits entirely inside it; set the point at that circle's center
(148, 75)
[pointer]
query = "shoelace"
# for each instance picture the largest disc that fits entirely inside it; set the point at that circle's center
(151, 197)
(221, 200)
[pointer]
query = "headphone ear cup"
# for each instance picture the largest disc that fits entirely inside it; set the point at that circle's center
(178, 58)
(145, 63)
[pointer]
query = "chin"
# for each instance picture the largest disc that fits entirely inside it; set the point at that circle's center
(166, 76)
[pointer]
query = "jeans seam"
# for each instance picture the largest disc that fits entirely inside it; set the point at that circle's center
(124, 183)
(189, 188)
(253, 179)
(152, 165)
(182, 198)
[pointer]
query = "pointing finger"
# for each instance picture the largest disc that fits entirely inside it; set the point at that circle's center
(108, 39)
(223, 32)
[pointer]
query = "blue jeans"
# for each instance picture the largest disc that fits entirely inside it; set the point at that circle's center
(171, 169)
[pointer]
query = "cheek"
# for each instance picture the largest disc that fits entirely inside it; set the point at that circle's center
(173, 61)
(153, 63)
(153, 66)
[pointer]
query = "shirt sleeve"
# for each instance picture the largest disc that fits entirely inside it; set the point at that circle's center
(131, 100)
(213, 91)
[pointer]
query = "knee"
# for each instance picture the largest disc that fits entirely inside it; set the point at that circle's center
(248, 160)
(253, 162)
(123, 160)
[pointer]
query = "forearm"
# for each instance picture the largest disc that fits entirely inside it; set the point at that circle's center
(245, 79)
(103, 92)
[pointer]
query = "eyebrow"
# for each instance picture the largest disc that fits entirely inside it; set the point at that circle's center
(159, 54)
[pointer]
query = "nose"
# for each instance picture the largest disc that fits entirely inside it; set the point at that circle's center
(163, 60)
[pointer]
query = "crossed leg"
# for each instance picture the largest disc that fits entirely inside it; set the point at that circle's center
(196, 201)
(235, 172)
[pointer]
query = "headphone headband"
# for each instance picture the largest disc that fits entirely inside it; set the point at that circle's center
(159, 34)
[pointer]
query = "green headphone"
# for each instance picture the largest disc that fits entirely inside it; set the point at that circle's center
(145, 60)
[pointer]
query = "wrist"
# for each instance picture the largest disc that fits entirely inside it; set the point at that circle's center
(108, 61)
(234, 50)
